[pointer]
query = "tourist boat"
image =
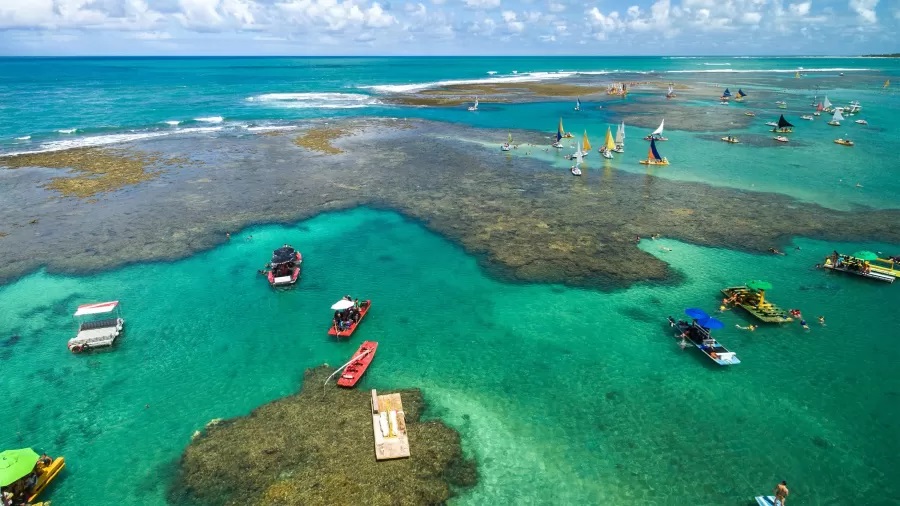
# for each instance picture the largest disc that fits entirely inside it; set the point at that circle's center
(861, 122)
(827, 106)
(781, 138)
(876, 268)
(656, 135)
(620, 138)
(26, 470)
(783, 127)
(725, 96)
(854, 108)
(357, 366)
(731, 139)
(284, 269)
(671, 92)
(364, 307)
(575, 170)
(843, 142)
(740, 95)
(653, 157)
(609, 145)
(577, 104)
(836, 118)
(749, 113)
(697, 333)
(95, 331)
(474, 107)
(807, 117)
(508, 143)
(753, 301)
(781, 104)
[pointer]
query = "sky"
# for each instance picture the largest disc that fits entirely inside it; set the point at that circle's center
(448, 27)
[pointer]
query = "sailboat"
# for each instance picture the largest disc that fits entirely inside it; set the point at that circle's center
(781, 104)
(505, 147)
(558, 143)
(819, 109)
(620, 139)
(653, 157)
(585, 145)
(474, 107)
(837, 118)
(827, 105)
(608, 145)
(657, 134)
(725, 96)
(797, 75)
(887, 83)
(740, 95)
(671, 92)
(577, 104)
(783, 126)
(578, 161)
(562, 131)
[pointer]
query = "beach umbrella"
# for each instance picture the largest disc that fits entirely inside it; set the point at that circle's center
(759, 285)
(696, 313)
(342, 305)
(15, 464)
(865, 255)
(710, 323)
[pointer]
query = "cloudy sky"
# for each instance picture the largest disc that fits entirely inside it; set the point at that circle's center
(494, 27)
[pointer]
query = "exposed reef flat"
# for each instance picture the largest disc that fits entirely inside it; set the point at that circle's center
(523, 219)
(96, 170)
(316, 447)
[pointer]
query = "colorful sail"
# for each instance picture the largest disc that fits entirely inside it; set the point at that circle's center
(887, 83)
(783, 123)
(727, 93)
(586, 142)
(797, 75)
(620, 134)
(560, 128)
(609, 144)
(741, 93)
(820, 107)
(654, 154)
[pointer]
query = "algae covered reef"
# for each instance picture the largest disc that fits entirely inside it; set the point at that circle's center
(316, 447)
(522, 218)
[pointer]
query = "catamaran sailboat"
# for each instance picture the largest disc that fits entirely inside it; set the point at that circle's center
(578, 161)
(725, 96)
(620, 139)
(837, 118)
(585, 145)
(506, 146)
(671, 92)
(656, 135)
(819, 109)
(740, 95)
(827, 105)
(653, 157)
(577, 104)
(608, 145)
(562, 131)
(475, 106)
(559, 136)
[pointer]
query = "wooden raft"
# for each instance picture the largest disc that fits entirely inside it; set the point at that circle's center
(389, 427)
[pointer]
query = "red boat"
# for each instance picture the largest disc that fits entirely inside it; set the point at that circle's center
(358, 364)
(348, 331)
(284, 269)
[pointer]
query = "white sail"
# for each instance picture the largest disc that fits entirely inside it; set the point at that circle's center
(620, 134)
(579, 158)
(837, 115)
(671, 89)
(659, 130)
(827, 103)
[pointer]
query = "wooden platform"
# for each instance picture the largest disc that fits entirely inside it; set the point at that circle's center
(389, 427)
(767, 312)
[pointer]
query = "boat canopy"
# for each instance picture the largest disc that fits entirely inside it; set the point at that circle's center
(284, 254)
(100, 307)
(783, 123)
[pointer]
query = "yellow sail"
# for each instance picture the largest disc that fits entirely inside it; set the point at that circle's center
(887, 83)
(797, 75)
(561, 127)
(610, 143)
(586, 142)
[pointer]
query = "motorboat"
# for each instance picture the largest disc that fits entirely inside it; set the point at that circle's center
(731, 139)
(861, 122)
(807, 117)
(99, 325)
(697, 332)
(345, 323)
(284, 269)
(750, 113)
(575, 170)
(771, 123)
(843, 142)
(780, 138)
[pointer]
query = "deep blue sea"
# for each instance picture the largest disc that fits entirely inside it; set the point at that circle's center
(596, 419)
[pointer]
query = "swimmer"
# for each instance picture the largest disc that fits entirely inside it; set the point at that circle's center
(775, 251)
(751, 328)
(663, 248)
(228, 235)
(822, 321)
(803, 324)
(723, 308)
(859, 185)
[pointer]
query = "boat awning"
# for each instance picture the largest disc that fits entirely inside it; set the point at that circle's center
(100, 307)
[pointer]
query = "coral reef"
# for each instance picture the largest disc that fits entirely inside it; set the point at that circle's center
(320, 139)
(316, 447)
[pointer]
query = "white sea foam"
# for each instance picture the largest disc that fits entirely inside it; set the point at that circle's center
(23, 138)
(315, 100)
(271, 128)
(517, 78)
(68, 130)
(103, 140)
(210, 119)
(172, 122)
(491, 72)
(762, 71)
(716, 64)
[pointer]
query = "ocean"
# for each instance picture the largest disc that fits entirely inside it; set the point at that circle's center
(562, 395)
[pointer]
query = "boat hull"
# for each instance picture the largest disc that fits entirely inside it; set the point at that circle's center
(364, 307)
(701, 340)
(655, 162)
(354, 372)
(49, 473)
(575, 171)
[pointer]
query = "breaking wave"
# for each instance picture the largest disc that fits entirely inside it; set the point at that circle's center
(315, 100)
(210, 119)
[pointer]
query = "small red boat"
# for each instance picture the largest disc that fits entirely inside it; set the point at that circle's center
(348, 331)
(358, 365)
(284, 269)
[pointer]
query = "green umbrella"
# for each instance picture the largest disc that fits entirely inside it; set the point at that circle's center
(865, 255)
(15, 464)
(759, 285)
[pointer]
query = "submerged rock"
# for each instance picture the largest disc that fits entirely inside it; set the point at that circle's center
(316, 447)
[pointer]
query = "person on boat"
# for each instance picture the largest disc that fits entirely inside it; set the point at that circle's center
(347, 297)
(781, 493)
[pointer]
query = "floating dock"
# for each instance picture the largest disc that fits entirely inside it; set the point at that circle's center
(389, 427)
(753, 304)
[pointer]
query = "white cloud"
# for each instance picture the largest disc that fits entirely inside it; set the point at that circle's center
(800, 9)
(151, 35)
(865, 9)
(556, 7)
(513, 23)
(483, 4)
(335, 15)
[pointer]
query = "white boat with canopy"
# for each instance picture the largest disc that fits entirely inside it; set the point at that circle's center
(96, 331)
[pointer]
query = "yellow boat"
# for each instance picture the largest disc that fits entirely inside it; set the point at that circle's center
(730, 139)
(753, 301)
(843, 142)
(47, 474)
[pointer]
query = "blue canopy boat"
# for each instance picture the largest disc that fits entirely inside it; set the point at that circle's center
(697, 333)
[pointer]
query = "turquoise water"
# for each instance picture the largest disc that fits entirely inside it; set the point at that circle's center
(563, 395)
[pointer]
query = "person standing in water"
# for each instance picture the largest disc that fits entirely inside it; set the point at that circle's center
(781, 493)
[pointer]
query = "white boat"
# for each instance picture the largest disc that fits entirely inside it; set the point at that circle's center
(94, 332)
(771, 123)
(780, 138)
(506, 146)
(475, 106)
(837, 118)
(827, 105)
(578, 161)
(656, 135)
(671, 92)
(781, 104)
(577, 104)
(854, 108)
(620, 138)
(861, 122)
(807, 117)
